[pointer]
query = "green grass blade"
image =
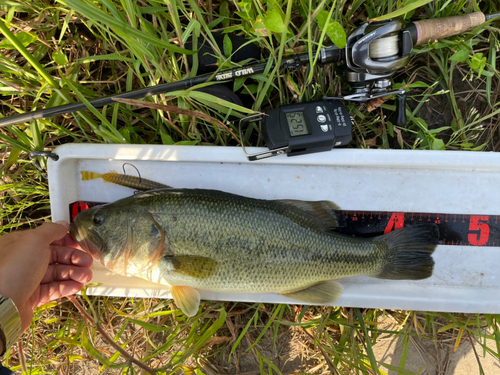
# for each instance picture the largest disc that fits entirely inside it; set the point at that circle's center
(403, 10)
(367, 341)
(120, 26)
(26, 54)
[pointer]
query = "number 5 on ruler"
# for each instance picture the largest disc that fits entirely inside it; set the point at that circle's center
(477, 223)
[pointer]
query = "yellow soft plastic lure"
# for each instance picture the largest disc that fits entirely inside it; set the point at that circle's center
(133, 182)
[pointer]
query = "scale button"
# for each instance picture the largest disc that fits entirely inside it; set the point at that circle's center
(321, 118)
(319, 109)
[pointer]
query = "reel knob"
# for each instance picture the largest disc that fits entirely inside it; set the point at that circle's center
(400, 109)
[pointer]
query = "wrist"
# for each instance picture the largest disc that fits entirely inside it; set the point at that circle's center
(10, 324)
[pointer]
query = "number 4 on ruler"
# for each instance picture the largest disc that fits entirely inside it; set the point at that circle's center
(396, 221)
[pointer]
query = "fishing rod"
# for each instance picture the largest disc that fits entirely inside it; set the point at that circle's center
(374, 52)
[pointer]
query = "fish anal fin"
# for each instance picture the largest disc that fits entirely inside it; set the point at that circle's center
(325, 292)
(324, 211)
(187, 299)
(198, 267)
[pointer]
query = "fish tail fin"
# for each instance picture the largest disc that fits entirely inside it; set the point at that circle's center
(86, 175)
(409, 252)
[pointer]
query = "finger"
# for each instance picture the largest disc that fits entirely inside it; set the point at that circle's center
(62, 272)
(52, 291)
(68, 255)
(50, 232)
(67, 241)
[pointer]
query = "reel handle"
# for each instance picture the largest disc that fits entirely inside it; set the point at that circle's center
(440, 28)
(401, 109)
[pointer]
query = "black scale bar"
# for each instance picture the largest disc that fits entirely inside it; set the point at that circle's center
(454, 229)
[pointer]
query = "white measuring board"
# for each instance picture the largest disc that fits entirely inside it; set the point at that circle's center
(465, 279)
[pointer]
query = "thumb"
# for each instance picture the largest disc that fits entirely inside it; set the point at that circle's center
(51, 232)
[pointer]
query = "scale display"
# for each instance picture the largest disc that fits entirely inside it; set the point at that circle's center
(297, 123)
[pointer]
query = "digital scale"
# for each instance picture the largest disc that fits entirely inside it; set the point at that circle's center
(303, 128)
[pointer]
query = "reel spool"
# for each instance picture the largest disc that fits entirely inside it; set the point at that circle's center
(385, 47)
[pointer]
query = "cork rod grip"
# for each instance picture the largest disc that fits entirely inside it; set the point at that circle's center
(439, 28)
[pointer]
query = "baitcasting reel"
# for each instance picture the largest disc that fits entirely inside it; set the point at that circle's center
(373, 53)
(376, 50)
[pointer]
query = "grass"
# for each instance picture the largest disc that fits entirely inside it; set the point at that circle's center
(54, 52)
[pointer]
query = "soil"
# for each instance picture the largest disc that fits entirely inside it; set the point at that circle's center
(471, 99)
(427, 356)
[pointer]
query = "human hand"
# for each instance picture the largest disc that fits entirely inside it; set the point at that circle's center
(41, 265)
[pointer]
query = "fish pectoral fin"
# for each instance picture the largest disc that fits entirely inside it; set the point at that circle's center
(321, 293)
(199, 267)
(187, 299)
(324, 211)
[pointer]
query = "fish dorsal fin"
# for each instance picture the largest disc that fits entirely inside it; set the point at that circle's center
(198, 267)
(321, 293)
(187, 299)
(324, 211)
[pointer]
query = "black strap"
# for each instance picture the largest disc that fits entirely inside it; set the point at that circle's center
(5, 370)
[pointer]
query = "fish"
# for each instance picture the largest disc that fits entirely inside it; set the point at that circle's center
(133, 182)
(198, 239)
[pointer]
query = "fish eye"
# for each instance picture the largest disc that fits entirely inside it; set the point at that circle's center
(98, 219)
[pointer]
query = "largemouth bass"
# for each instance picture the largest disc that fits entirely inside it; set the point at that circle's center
(211, 240)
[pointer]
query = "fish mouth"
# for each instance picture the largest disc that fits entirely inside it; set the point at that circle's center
(88, 240)
(73, 231)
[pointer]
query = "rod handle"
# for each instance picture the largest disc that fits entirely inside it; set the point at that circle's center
(440, 28)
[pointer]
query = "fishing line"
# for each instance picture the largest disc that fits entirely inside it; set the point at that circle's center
(384, 47)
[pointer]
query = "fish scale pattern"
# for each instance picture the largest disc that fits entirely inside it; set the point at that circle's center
(260, 246)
